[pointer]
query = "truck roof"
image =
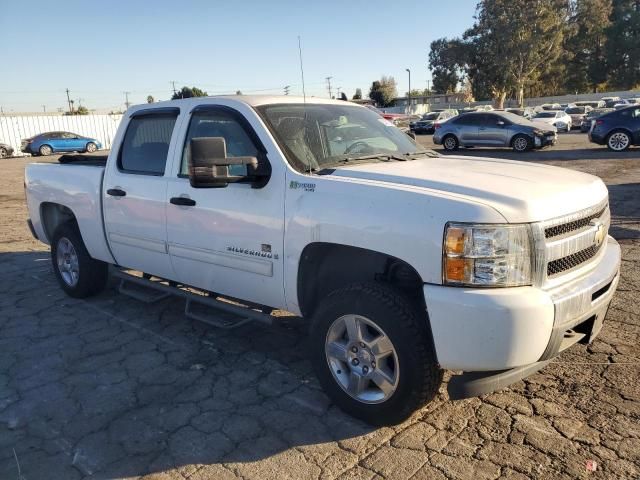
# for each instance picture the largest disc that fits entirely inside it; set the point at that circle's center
(251, 100)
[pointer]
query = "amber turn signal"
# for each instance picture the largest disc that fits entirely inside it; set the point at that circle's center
(454, 242)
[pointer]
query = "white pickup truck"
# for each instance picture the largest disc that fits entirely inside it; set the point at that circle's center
(404, 261)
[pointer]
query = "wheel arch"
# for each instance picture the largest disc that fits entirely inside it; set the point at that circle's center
(52, 215)
(325, 267)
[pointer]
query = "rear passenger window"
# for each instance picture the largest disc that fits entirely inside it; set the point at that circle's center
(146, 144)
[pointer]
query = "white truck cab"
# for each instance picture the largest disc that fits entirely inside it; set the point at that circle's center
(404, 261)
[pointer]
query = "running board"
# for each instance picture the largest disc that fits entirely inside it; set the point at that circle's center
(228, 315)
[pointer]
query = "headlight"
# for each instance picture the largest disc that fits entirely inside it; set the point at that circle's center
(538, 132)
(487, 255)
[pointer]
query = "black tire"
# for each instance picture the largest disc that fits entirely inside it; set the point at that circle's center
(92, 274)
(419, 376)
(517, 143)
(91, 147)
(3, 152)
(45, 150)
(450, 143)
(621, 135)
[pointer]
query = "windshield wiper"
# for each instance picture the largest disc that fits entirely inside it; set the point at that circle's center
(428, 153)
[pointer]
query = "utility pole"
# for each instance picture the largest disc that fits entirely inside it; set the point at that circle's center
(126, 99)
(173, 84)
(329, 85)
(339, 88)
(409, 93)
(69, 102)
(286, 89)
(44, 108)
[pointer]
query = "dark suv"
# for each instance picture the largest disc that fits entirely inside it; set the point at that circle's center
(617, 130)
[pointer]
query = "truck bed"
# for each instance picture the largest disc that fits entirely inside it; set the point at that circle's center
(85, 159)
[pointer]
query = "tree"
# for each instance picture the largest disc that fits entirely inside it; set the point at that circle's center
(585, 46)
(238, 92)
(150, 99)
(358, 94)
(186, 92)
(445, 64)
(623, 45)
(416, 93)
(383, 91)
(82, 110)
(514, 41)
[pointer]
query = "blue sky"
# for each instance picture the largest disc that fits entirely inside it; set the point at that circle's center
(100, 49)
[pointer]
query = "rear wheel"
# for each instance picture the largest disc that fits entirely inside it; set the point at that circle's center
(78, 274)
(91, 147)
(3, 152)
(450, 143)
(618, 141)
(521, 143)
(45, 150)
(373, 353)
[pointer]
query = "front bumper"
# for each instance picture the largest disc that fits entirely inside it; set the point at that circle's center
(498, 329)
(545, 140)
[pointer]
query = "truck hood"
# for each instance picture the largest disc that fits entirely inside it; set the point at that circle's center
(519, 191)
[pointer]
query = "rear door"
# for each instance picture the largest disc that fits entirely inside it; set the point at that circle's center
(134, 193)
(467, 128)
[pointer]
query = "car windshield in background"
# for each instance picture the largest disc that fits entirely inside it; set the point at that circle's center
(430, 116)
(575, 110)
(545, 115)
(318, 136)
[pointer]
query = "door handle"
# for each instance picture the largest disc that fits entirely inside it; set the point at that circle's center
(116, 192)
(182, 201)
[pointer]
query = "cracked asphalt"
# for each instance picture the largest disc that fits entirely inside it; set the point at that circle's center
(114, 388)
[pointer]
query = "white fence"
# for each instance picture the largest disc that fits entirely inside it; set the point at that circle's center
(100, 127)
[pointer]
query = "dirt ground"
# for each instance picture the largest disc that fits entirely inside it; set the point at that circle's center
(113, 388)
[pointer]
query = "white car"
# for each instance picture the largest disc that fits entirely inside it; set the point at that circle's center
(558, 118)
(405, 262)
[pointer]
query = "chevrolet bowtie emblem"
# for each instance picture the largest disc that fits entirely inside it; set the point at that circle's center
(600, 232)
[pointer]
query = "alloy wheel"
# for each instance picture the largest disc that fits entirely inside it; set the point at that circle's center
(618, 141)
(362, 359)
(68, 264)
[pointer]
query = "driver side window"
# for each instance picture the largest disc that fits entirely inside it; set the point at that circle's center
(218, 123)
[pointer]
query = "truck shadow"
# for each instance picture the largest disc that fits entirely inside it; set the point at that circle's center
(115, 387)
(624, 200)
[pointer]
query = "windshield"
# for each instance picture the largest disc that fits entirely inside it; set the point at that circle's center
(545, 115)
(430, 116)
(317, 136)
(575, 110)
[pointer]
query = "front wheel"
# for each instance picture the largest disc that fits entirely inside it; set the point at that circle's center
(91, 147)
(3, 152)
(521, 143)
(373, 353)
(78, 274)
(618, 141)
(45, 150)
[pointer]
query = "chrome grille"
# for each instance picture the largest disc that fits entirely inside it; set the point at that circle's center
(572, 261)
(569, 242)
(564, 228)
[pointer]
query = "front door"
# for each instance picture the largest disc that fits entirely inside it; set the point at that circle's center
(135, 190)
(490, 132)
(230, 239)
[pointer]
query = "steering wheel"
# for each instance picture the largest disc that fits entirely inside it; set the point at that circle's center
(359, 147)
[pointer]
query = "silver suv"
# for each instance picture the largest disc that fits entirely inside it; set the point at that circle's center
(492, 129)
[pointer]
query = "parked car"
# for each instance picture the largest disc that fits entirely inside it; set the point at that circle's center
(526, 112)
(557, 118)
(5, 150)
(564, 106)
(54, 142)
(577, 114)
(609, 102)
(428, 120)
(585, 125)
(590, 103)
(405, 262)
(634, 101)
(492, 129)
(617, 130)
(621, 104)
(550, 106)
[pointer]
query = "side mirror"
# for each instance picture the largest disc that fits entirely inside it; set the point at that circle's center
(209, 164)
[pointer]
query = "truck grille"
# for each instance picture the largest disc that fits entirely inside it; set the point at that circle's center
(571, 241)
(572, 226)
(572, 261)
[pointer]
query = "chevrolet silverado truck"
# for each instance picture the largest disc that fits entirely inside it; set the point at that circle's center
(405, 262)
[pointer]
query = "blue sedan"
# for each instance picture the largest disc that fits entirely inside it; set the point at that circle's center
(52, 142)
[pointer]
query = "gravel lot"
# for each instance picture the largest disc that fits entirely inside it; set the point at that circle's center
(111, 387)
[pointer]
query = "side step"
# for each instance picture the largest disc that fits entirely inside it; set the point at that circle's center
(227, 315)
